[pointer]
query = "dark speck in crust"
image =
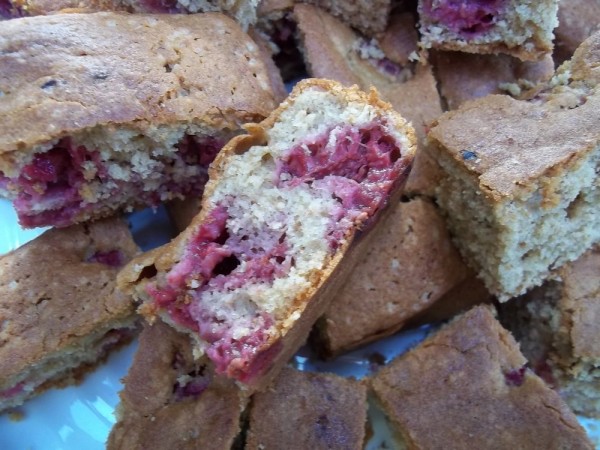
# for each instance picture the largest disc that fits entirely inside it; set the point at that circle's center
(49, 84)
(468, 155)
(100, 76)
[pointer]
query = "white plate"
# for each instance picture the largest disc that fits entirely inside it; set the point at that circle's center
(80, 417)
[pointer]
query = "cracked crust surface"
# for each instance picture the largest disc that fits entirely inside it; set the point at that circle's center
(51, 296)
(303, 410)
(467, 387)
(174, 69)
(151, 416)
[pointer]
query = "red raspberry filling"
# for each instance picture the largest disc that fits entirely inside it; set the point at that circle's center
(8, 10)
(515, 377)
(13, 391)
(48, 189)
(213, 263)
(465, 17)
(359, 171)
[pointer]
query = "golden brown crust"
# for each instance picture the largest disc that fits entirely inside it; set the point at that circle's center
(303, 410)
(311, 302)
(164, 257)
(507, 136)
(467, 387)
(172, 70)
(51, 296)
(153, 416)
(409, 267)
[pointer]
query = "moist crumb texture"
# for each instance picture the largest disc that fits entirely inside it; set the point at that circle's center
(172, 401)
(558, 328)
(61, 311)
(109, 132)
(303, 410)
(467, 386)
(522, 28)
(521, 192)
(246, 268)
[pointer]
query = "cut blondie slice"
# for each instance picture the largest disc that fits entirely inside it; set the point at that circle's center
(467, 386)
(121, 110)
(521, 192)
(172, 401)
(60, 310)
(521, 28)
(558, 327)
(254, 270)
(302, 410)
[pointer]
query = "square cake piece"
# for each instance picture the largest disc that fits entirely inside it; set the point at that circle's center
(467, 386)
(558, 327)
(521, 28)
(257, 266)
(303, 410)
(121, 110)
(60, 310)
(410, 266)
(172, 401)
(521, 191)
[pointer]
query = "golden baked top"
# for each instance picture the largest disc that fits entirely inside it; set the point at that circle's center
(60, 287)
(65, 73)
(511, 145)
